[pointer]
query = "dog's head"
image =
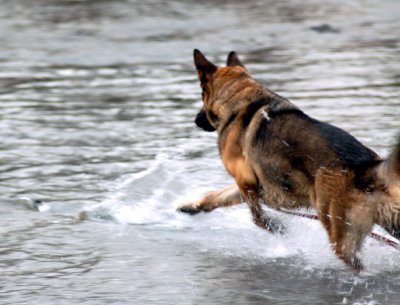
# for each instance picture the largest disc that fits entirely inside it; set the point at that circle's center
(217, 84)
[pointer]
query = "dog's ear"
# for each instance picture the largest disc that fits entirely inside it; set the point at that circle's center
(203, 65)
(233, 60)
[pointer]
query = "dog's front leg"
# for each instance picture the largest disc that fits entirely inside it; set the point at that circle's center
(225, 197)
(254, 201)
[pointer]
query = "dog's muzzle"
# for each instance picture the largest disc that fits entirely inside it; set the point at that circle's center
(203, 122)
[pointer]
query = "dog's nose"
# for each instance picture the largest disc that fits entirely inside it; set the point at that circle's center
(203, 122)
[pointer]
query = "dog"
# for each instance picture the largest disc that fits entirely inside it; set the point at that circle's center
(281, 157)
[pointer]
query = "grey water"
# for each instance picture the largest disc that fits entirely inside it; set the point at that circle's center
(97, 105)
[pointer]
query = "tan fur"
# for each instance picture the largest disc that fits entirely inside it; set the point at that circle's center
(225, 197)
(346, 213)
(388, 207)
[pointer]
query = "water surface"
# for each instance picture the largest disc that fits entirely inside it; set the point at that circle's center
(97, 105)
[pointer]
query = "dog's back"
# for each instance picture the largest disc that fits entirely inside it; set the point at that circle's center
(288, 147)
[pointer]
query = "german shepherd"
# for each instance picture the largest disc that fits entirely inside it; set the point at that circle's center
(280, 156)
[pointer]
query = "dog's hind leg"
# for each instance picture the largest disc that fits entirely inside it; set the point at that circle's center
(225, 197)
(388, 210)
(346, 213)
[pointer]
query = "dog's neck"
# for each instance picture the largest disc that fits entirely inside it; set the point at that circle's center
(275, 103)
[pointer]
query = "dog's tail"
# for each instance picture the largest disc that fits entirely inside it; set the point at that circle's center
(389, 170)
(388, 208)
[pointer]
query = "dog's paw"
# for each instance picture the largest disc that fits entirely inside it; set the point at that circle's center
(190, 208)
(275, 226)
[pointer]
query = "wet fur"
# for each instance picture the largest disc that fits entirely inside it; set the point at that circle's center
(280, 156)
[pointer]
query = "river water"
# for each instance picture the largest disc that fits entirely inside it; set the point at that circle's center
(97, 105)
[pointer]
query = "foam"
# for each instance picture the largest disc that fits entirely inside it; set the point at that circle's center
(150, 198)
